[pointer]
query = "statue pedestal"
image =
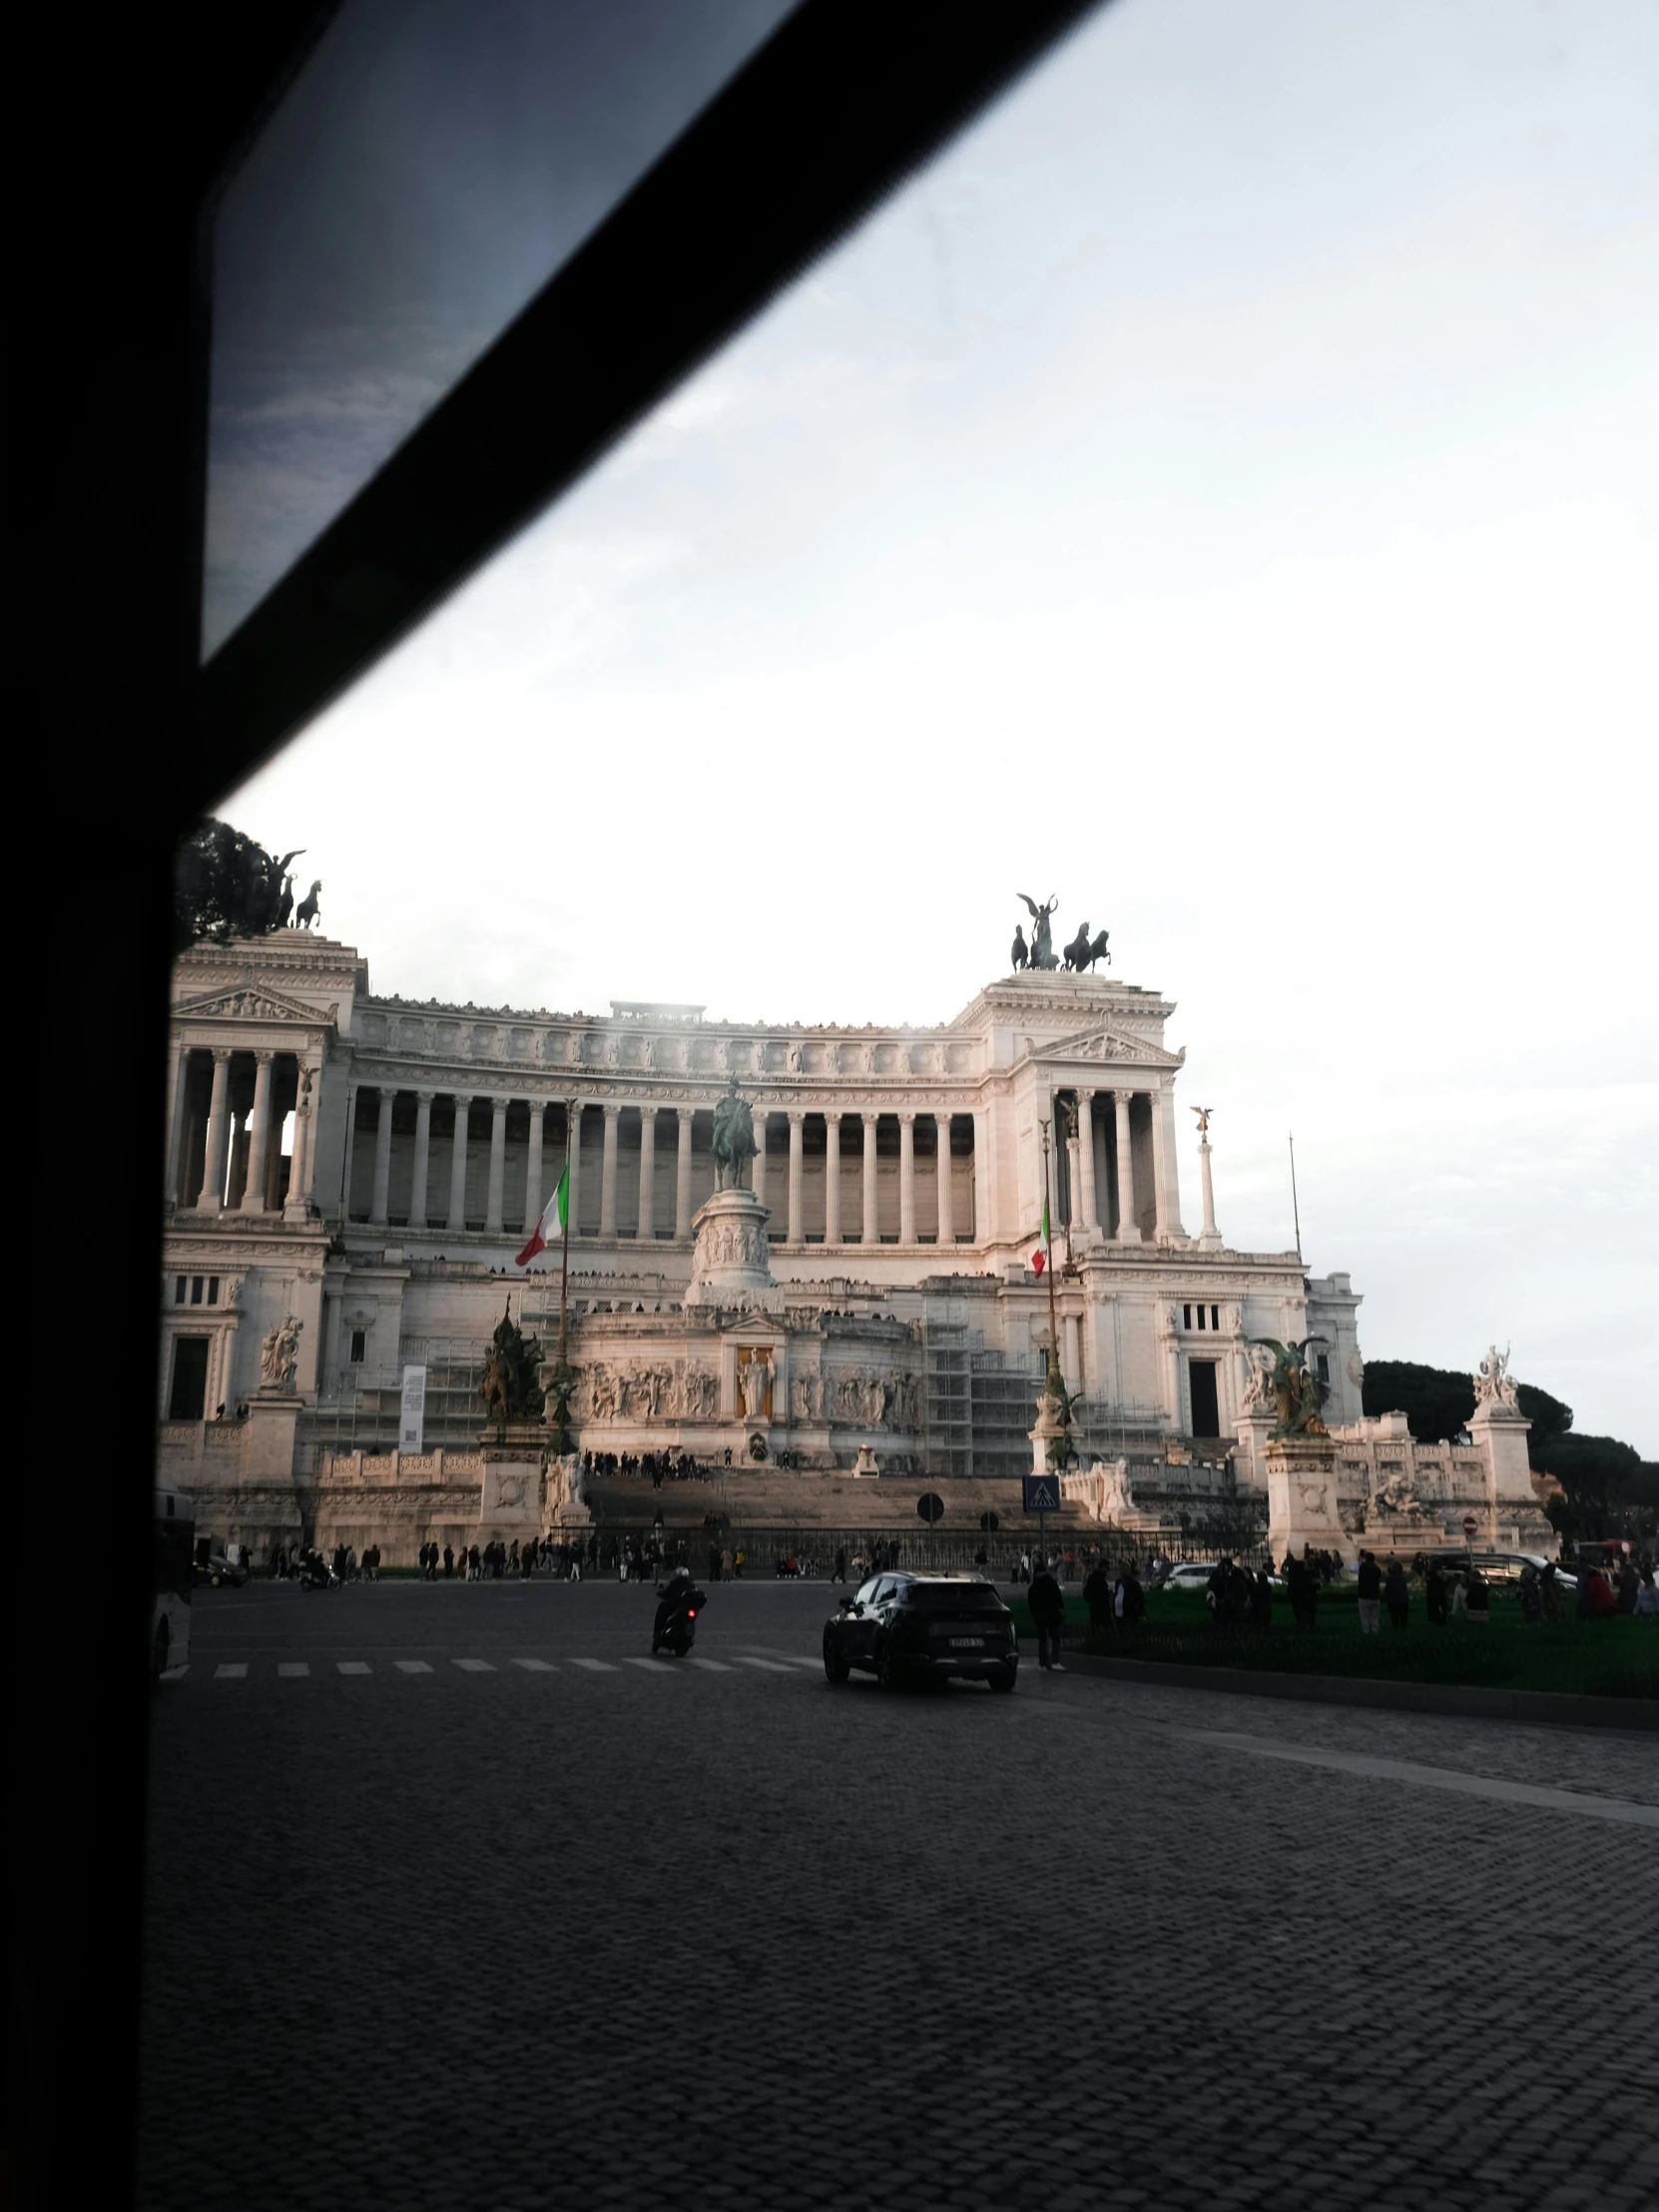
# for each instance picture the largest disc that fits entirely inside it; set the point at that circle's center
(865, 1462)
(273, 1419)
(1050, 1429)
(1301, 1480)
(731, 1266)
(566, 1505)
(510, 1495)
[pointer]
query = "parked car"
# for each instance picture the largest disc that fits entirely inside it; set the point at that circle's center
(1502, 1568)
(911, 1627)
(1191, 1574)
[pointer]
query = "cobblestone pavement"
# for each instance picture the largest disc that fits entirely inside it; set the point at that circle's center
(503, 1936)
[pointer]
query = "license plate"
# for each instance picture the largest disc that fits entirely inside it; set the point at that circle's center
(968, 1643)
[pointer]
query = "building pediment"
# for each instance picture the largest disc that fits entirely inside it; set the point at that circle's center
(254, 1002)
(1104, 1042)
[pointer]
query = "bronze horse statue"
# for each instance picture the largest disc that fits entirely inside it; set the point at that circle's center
(1084, 950)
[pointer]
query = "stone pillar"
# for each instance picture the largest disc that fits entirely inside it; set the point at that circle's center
(758, 1173)
(1071, 1349)
(302, 1164)
(1165, 1167)
(535, 1198)
(1128, 1228)
(607, 1173)
(872, 1228)
(647, 1228)
(984, 1180)
(457, 1164)
(258, 1136)
(211, 1197)
(797, 1176)
(382, 1159)
(1074, 1176)
(573, 1154)
(1210, 1235)
(1087, 1196)
(498, 1167)
(906, 1179)
(947, 1226)
(831, 1179)
(423, 1158)
(177, 1097)
(682, 1176)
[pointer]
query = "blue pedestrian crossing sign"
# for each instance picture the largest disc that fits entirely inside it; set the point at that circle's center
(1043, 1494)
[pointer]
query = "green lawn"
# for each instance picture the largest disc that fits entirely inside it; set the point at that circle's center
(1611, 1658)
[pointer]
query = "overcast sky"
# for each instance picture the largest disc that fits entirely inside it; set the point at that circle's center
(1224, 491)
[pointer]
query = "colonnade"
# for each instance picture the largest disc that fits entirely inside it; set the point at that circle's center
(1125, 1196)
(841, 1223)
(284, 1082)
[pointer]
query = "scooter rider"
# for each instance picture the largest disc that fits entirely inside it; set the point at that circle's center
(676, 1593)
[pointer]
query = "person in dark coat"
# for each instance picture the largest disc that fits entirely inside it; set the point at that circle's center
(1097, 1596)
(1261, 1601)
(1048, 1610)
(1397, 1594)
(1436, 1594)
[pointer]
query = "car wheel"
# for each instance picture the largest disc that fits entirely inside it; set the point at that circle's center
(887, 1669)
(835, 1668)
(158, 1651)
(1003, 1679)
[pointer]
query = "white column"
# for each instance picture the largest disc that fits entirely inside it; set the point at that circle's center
(457, 1164)
(1128, 1228)
(498, 1167)
(1074, 1177)
(1210, 1234)
(423, 1158)
(535, 1198)
(302, 1164)
(1165, 1168)
(682, 1176)
(798, 1171)
(607, 1173)
(758, 1174)
(383, 1160)
(985, 1200)
(211, 1197)
(872, 1230)
(831, 1179)
(947, 1226)
(906, 1179)
(1071, 1355)
(258, 1136)
(648, 1175)
(573, 1151)
(1085, 1156)
(179, 1082)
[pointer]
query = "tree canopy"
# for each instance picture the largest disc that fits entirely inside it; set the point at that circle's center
(1436, 1402)
(225, 886)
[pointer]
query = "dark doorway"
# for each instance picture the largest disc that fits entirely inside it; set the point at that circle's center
(190, 1379)
(1206, 1409)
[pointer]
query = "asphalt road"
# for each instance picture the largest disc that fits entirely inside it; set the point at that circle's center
(456, 1902)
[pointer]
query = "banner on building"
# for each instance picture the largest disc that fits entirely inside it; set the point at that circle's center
(412, 1427)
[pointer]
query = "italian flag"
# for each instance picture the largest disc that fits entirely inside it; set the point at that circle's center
(551, 1224)
(1038, 1257)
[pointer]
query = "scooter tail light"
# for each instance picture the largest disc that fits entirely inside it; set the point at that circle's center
(691, 1612)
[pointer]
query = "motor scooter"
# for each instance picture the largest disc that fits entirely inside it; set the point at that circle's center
(316, 1574)
(679, 1603)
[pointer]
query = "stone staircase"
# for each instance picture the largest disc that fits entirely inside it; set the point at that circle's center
(766, 1498)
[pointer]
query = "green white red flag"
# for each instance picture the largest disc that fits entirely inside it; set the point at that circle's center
(552, 1224)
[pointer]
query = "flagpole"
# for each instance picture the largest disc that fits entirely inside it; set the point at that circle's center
(1048, 1240)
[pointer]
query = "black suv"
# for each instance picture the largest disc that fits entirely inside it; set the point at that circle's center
(905, 1627)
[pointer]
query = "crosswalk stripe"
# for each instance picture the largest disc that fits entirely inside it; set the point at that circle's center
(474, 1666)
(354, 1666)
(711, 1666)
(654, 1666)
(411, 1666)
(595, 1666)
(536, 1666)
(292, 1667)
(769, 1666)
(229, 1672)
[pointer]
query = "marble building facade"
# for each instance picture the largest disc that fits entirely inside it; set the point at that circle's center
(359, 1170)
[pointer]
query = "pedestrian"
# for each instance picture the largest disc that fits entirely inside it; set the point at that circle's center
(1261, 1603)
(448, 1564)
(1628, 1586)
(1304, 1590)
(1531, 1609)
(1370, 1582)
(840, 1575)
(1478, 1601)
(1549, 1593)
(1048, 1612)
(1097, 1596)
(1647, 1594)
(1436, 1587)
(1397, 1594)
(1459, 1597)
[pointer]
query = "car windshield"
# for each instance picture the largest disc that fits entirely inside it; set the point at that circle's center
(953, 1597)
